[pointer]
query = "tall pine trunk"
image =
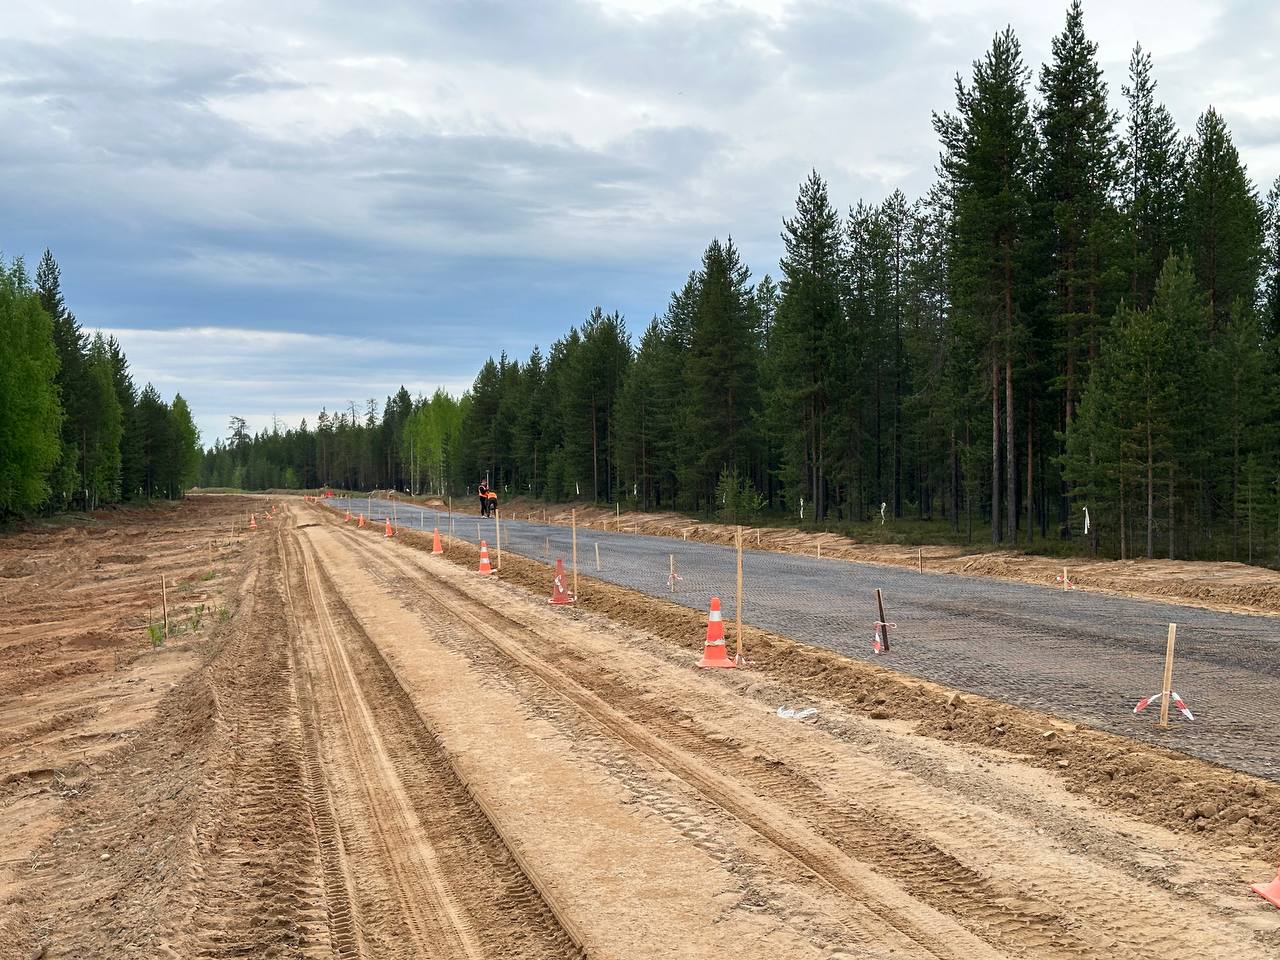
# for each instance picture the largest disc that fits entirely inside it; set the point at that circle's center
(1151, 496)
(1030, 462)
(995, 446)
(1010, 450)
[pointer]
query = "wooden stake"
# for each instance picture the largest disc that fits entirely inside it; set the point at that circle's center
(1064, 579)
(757, 538)
(738, 606)
(884, 626)
(1167, 689)
(819, 549)
(497, 535)
(164, 605)
(920, 561)
(597, 555)
(573, 519)
(546, 547)
(671, 580)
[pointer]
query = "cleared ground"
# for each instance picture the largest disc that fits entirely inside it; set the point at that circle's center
(380, 754)
(1082, 655)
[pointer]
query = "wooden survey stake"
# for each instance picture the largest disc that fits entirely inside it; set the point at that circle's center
(497, 533)
(573, 519)
(884, 626)
(738, 605)
(164, 606)
(1167, 690)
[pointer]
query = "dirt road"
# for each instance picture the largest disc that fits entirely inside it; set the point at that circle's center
(383, 755)
(1081, 655)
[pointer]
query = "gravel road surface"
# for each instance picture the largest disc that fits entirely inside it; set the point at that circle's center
(1087, 657)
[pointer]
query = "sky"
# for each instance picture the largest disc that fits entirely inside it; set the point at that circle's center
(278, 207)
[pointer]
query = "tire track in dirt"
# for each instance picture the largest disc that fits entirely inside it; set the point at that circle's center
(1023, 918)
(871, 900)
(430, 872)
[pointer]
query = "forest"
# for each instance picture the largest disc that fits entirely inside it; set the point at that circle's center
(76, 433)
(1073, 334)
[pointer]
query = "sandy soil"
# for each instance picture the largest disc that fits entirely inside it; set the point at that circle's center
(1234, 587)
(381, 754)
(80, 674)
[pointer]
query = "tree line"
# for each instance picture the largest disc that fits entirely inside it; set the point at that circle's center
(76, 432)
(1079, 319)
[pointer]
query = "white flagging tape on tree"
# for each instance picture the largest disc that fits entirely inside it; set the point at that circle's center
(1176, 700)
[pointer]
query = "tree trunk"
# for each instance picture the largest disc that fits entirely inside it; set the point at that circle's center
(955, 484)
(995, 447)
(1010, 451)
(595, 458)
(1151, 496)
(1122, 526)
(1031, 528)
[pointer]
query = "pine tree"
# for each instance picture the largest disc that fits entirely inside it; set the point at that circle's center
(988, 158)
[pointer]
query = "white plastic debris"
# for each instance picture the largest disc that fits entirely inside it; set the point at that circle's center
(797, 713)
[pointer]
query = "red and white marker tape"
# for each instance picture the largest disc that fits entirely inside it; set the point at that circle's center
(1069, 586)
(877, 639)
(1176, 700)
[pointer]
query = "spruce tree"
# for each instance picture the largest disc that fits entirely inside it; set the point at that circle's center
(808, 338)
(102, 447)
(1152, 173)
(720, 371)
(131, 477)
(1271, 265)
(1222, 222)
(1076, 177)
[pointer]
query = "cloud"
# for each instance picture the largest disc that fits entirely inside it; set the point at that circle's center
(459, 178)
(226, 371)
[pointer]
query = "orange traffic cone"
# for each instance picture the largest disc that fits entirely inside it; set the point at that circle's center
(435, 541)
(253, 521)
(1269, 891)
(713, 651)
(390, 532)
(484, 558)
(361, 523)
(559, 595)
